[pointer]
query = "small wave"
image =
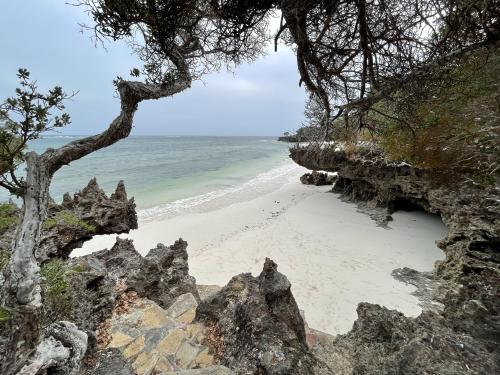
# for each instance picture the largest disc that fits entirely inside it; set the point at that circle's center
(258, 183)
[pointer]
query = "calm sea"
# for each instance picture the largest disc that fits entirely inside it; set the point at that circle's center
(163, 169)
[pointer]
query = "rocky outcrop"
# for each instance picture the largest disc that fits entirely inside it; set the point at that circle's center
(385, 342)
(90, 212)
(97, 279)
(465, 336)
(317, 178)
(288, 138)
(256, 325)
(116, 282)
(161, 276)
(137, 336)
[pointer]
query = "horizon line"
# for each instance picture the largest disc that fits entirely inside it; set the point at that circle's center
(161, 135)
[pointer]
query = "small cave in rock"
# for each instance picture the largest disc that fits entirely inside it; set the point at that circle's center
(402, 204)
(418, 207)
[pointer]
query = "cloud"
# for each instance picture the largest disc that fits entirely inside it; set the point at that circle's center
(262, 98)
(233, 85)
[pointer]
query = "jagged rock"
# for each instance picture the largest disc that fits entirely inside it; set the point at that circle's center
(71, 337)
(103, 279)
(76, 220)
(318, 178)
(384, 342)
(162, 275)
(93, 294)
(258, 324)
(206, 291)
(89, 213)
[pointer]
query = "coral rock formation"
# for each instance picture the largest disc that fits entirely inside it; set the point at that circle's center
(89, 213)
(465, 336)
(258, 324)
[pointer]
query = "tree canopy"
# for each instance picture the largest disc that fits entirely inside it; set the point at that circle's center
(350, 54)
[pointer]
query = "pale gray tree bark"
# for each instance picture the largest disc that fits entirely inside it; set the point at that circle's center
(21, 292)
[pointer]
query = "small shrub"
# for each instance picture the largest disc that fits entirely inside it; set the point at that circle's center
(56, 288)
(448, 124)
(7, 216)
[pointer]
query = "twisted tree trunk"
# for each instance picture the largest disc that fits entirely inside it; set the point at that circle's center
(21, 290)
(21, 293)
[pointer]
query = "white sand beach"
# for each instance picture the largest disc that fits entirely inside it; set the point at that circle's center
(334, 256)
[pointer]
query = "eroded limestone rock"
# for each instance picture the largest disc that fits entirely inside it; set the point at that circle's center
(162, 275)
(461, 338)
(90, 212)
(257, 324)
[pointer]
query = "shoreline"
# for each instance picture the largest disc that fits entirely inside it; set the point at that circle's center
(349, 258)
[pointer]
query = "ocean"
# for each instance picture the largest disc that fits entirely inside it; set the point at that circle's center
(169, 173)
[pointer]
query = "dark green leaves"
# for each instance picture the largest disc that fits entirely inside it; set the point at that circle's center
(24, 117)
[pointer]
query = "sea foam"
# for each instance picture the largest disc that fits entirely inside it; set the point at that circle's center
(221, 197)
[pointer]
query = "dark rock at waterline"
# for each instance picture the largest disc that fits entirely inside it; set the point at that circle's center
(289, 138)
(318, 178)
(90, 212)
(464, 337)
(259, 325)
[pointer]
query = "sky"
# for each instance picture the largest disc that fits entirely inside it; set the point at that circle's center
(263, 98)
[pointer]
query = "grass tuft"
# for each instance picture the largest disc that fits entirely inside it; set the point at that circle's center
(56, 287)
(67, 218)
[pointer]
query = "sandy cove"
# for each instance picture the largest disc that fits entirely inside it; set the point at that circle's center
(334, 256)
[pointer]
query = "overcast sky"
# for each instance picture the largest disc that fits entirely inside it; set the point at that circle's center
(44, 37)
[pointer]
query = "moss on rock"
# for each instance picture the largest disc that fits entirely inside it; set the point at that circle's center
(67, 218)
(4, 315)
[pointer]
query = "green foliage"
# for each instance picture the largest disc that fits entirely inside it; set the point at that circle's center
(58, 299)
(134, 72)
(80, 267)
(69, 219)
(4, 315)
(4, 259)
(23, 118)
(450, 123)
(7, 216)
(54, 272)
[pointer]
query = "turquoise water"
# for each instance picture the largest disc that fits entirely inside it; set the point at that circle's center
(162, 169)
